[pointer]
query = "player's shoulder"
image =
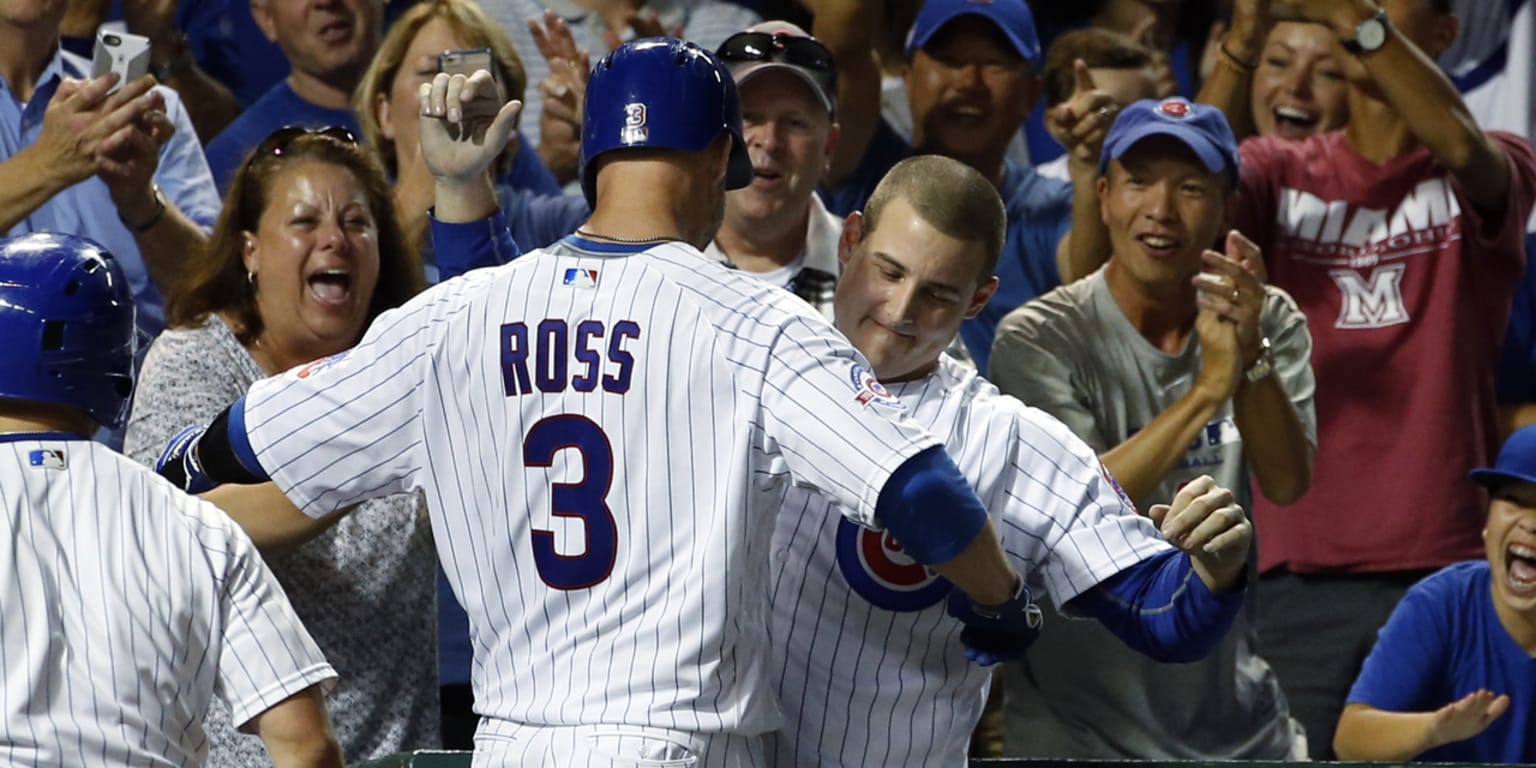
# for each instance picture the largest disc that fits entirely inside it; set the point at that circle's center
(983, 404)
(148, 502)
(729, 298)
(471, 288)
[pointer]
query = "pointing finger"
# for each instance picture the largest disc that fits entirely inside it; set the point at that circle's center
(1081, 77)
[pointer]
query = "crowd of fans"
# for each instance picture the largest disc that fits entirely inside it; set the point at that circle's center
(1320, 300)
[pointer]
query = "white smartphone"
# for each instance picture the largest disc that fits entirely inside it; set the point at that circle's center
(120, 52)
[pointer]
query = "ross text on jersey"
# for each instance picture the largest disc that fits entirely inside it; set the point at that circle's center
(541, 361)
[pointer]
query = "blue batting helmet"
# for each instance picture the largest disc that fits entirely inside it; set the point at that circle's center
(664, 93)
(66, 314)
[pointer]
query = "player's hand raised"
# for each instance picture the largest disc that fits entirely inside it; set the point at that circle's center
(996, 633)
(464, 125)
(1206, 522)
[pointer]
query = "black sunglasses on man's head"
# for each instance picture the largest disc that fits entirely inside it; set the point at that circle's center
(804, 52)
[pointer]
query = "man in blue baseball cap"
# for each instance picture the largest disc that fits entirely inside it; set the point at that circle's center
(971, 80)
(1450, 678)
(1173, 360)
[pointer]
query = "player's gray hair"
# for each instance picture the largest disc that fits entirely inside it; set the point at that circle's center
(949, 196)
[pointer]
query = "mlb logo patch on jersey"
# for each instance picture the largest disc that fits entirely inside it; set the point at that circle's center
(47, 458)
(309, 369)
(868, 389)
(581, 278)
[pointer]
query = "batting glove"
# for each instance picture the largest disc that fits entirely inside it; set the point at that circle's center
(179, 464)
(995, 633)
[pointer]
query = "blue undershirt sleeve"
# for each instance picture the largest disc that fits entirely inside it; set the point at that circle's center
(928, 506)
(461, 247)
(1161, 608)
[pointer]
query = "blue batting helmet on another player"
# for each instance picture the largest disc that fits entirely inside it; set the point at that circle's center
(66, 314)
(660, 93)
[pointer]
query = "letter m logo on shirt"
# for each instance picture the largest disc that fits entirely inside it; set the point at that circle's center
(1374, 304)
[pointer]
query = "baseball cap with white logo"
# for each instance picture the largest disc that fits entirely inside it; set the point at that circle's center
(1200, 127)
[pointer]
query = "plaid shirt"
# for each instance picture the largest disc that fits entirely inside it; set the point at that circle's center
(816, 282)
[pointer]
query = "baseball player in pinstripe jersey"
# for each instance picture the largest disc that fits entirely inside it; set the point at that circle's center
(125, 605)
(869, 668)
(604, 431)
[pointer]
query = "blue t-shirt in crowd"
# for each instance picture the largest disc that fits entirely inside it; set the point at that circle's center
(1039, 215)
(1444, 641)
(230, 47)
(277, 108)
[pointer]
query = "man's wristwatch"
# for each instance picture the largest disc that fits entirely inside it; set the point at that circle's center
(1264, 366)
(1370, 34)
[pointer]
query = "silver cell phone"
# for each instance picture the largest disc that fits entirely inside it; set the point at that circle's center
(120, 52)
(467, 62)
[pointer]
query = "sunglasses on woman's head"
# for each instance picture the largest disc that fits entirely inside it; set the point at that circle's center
(277, 142)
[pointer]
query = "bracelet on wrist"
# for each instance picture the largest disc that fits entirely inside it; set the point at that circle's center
(154, 219)
(1243, 64)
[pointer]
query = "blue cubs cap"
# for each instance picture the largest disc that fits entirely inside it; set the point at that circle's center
(1517, 461)
(1010, 16)
(1200, 127)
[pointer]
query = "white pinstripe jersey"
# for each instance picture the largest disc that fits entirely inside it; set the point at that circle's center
(604, 436)
(125, 605)
(868, 666)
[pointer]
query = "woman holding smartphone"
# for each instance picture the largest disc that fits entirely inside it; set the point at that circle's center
(454, 36)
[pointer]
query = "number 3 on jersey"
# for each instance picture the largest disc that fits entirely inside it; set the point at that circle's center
(586, 500)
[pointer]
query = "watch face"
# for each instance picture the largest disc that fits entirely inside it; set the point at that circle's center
(1371, 34)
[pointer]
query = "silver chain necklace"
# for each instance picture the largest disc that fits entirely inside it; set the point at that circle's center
(626, 240)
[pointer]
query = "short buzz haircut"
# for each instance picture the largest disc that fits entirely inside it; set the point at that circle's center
(949, 196)
(1098, 48)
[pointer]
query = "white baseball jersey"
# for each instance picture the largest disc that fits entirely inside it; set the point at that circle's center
(125, 605)
(868, 665)
(604, 435)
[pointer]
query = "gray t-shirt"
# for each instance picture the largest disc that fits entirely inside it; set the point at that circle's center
(366, 589)
(1081, 692)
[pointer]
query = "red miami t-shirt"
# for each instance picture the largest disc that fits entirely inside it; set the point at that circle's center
(1407, 296)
